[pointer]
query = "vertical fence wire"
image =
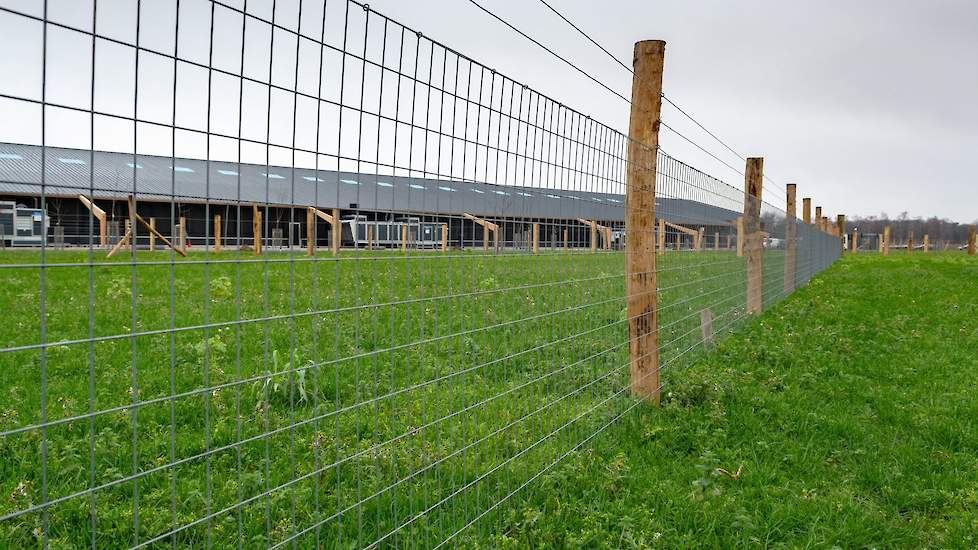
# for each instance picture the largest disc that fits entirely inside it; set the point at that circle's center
(411, 308)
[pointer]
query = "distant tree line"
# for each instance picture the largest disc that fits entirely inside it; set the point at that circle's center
(901, 226)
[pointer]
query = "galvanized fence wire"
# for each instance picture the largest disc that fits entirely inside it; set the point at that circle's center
(306, 277)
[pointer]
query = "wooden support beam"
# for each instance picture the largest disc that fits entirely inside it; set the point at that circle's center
(152, 236)
(596, 229)
(926, 243)
(971, 241)
(217, 232)
(699, 239)
(444, 237)
(886, 240)
(818, 218)
(806, 210)
(640, 292)
(728, 241)
(337, 233)
(404, 238)
(791, 236)
(310, 232)
(753, 182)
(910, 242)
(103, 220)
(370, 237)
(183, 234)
(487, 226)
(854, 244)
(594, 237)
(536, 238)
(566, 241)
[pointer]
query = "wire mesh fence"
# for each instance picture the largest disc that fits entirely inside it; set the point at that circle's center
(306, 277)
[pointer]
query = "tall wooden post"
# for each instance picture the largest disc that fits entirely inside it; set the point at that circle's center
(716, 241)
(566, 242)
(444, 237)
(910, 242)
(337, 231)
(641, 293)
(594, 237)
(840, 227)
(790, 245)
(662, 236)
(217, 232)
(818, 218)
(806, 210)
(740, 236)
(404, 237)
(926, 242)
(753, 181)
(256, 229)
(183, 233)
(971, 241)
(854, 245)
(152, 234)
(485, 238)
(310, 232)
(886, 240)
(536, 238)
(370, 237)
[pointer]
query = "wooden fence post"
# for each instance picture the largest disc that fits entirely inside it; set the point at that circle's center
(753, 182)
(566, 242)
(910, 242)
(926, 242)
(806, 210)
(256, 229)
(818, 218)
(370, 237)
(840, 227)
(594, 237)
(886, 240)
(536, 238)
(217, 232)
(337, 231)
(310, 232)
(444, 237)
(854, 245)
(790, 245)
(152, 235)
(740, 236)
(641, 293)
(183, 233)
(404, 237)
(662, 236)
(971, 241)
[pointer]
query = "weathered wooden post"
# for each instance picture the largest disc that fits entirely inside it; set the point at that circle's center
(152, 234)
(536, 238)
(790, 245)
(971, 241)
(753, 182)
(854, 245)
(217, 232)
(444, 237)
(818, 218)
(370, 237)
(886, 240)
(404, 237)
(806, 210)
(183, 233)
(926, 242)
(337, 231)
(256, 228)
(566, 241)
(641, 293)
(716, 240)
(740, 236)
(910, 242)
(840, 228)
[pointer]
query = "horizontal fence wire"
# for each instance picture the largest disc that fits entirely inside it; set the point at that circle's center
(292, 274)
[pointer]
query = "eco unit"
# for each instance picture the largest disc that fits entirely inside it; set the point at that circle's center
(22, 226)
(390, 234)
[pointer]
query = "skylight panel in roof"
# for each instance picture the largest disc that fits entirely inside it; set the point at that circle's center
(479, 191)
(501, 193)
(183, 169)
(616, 201)
(227, 172)
(553, 196)
(273, 176)
(311, 178)
(353, 182)
(416, 186)
(573, 197)
(136, 166)
(443, 188)
(596, 199)
(522, 194)
(11, 156)
(71, 161)
(385, 184)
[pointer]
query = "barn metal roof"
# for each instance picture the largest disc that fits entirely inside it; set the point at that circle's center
(156, 178)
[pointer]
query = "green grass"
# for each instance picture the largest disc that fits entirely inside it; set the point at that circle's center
(851, 409)
(355, 395)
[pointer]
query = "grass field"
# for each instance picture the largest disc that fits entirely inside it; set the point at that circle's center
(851, 410)
(277, 402)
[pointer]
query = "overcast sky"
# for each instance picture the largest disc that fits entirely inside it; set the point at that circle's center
(869, 106)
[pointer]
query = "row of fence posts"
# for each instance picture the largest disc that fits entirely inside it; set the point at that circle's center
(640, 222)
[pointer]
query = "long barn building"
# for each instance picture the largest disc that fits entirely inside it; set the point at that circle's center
(167, 190)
